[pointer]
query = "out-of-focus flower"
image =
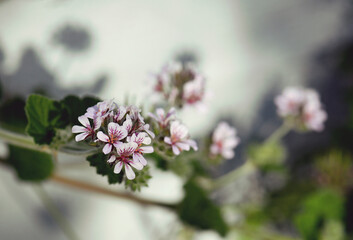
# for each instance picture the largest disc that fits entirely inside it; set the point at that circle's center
(115, 134)
(302, 107)
(121, 130)
(194, 91)
(124, 158)
(180, 85)
(86, 131)
(224, 140)
(163, 118)
(179, 138)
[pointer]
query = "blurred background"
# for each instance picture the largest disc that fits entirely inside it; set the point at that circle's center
(248, 51)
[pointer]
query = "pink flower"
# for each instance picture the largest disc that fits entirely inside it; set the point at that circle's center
(116, 133)
(140, 139)
(118, 114)
(179, 138)
(314, 117)
(100, 111)
(224, 140)
(302, 106)
(162, 118)
(290, 101)
(124, 158)
(86, 131)
(193, 92)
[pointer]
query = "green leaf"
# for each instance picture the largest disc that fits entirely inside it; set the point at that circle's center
(31, 165)
(139, 181)
(40, 123)
(76, 107)
(99, 161)
(199, 211)
(12, 114)
(319, 207)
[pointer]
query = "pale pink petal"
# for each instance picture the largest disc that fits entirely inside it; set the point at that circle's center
(192, 144)
(78, 129)
(107, 148)
(147, 141)
(137, 165)
(127, 125)
(147, 149)
(167, 140)
(176, 150)
(118, 167)
(228, 154)
(81, 137)
(129, 172)
(111, 159)
(140, 158)
(101, 136)
(117, 144)
(84, 121)
(183, 146)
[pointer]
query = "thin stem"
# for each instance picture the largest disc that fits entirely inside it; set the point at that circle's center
(55, 212)
(21, 141)
(24, 141)
(94, 188)
(243, 170)
(279, 133)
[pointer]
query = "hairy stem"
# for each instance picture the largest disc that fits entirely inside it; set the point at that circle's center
(24, 141)
(55, 212)
(97, 189)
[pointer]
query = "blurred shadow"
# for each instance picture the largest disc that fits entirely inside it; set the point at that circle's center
(32, 75)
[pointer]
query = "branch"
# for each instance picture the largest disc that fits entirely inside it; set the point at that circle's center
(97, 189)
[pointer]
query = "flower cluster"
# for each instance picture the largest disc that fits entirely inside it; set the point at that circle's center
(224, 140)
(180, 85)
(303, 107)
(172, 132)
(121, 131)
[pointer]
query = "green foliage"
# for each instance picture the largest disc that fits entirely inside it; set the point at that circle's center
(99, 161)
(73, 107)
(284, 204)
(45, 115)
(199, 211)
(41, 122)
(319, 207)
(30, 165)
(139, 181)
(161, 163)
(12, 114)
(267, 154)
(333, 230)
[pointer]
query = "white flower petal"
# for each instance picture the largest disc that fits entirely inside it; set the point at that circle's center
(183, 146)
(167, 140)
(84, 121)
(140, 158)
(147, 149)
(78, 129)
(129, 172)
(101, 136)
(111, 159)
(137, 164)
(81, 137)
(118, 167)
(107, 148)
(176, 150)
